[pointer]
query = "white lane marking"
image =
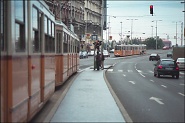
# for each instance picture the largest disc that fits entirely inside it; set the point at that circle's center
(120, 70)
(181, 94)
(151, 71)
(124, 75)
(139, 71)
(181, 84)
(135, 67)
(158, 100)
(141, 74)
(132, 82)
(110, 70)
(164, 86)
(130, 71)
(151, 80)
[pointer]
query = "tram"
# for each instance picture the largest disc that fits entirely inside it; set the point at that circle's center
(37, 54)
(128, 50)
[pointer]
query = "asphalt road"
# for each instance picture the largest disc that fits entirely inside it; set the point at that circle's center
(147, 98)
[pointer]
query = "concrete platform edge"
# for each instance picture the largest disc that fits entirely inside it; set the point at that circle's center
(55, 107)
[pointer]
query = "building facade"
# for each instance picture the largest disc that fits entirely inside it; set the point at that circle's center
(84, 17)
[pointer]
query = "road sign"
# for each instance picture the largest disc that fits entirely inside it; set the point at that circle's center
(94, 37)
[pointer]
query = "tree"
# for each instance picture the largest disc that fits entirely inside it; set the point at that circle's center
(151, 43)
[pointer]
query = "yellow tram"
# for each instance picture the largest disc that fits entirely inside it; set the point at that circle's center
(37, 54)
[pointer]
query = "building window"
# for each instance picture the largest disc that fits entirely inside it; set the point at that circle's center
(20, 44)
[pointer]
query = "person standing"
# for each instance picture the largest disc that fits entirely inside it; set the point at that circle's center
(102, 61)
(98, 61)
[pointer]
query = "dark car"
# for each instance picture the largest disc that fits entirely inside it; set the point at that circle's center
(169, 54)
(154, 57)
(166, 67)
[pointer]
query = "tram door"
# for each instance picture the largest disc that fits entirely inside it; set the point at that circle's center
(35, 61)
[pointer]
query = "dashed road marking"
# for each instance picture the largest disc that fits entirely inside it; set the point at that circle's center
(142, 75)
(151, 71)
(164, 86)
(152, 80)
(139, 71)
(132, 82)
(130, 70)
(181, 84)
(110, 70)
(120, 70)
(181, 94)
(124, 75)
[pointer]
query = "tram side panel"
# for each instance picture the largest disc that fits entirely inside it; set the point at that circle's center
(65, 67)
(49, 75)
(59, 70)
(35, 84)
(3, 86)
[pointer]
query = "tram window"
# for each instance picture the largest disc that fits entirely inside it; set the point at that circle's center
(19, 10)
(36, 40)
(65, 46)
(49, 40)
(49, 27)
(35, 18)
(53, 30)
(45, 24)
(20, 44)
(58, 39)
(19, 38)
(2, 41)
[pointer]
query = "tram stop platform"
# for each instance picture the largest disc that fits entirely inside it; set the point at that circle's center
(88, 99)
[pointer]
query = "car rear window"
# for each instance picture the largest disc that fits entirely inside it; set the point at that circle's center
(169, 63)
(153, 55)
(181, 60)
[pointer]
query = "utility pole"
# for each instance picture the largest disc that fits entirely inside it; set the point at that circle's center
(181, 32)
(156, 32)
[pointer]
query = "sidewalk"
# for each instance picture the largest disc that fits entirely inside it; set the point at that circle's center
(88, 100)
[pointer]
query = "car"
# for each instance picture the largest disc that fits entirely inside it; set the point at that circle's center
(165, 48)
(91, 53)
(111, 51)
(166, 67)
(83, 54)
(106, 53)
(154, 56)
(181, 63)
(169, 54)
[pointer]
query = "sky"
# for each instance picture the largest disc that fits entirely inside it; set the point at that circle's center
(135, 16)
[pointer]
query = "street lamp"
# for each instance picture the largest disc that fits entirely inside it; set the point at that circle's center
(152, 31)
(176, 30)
(131, 28)
(156, 31)
(121, 32)
(109, 31)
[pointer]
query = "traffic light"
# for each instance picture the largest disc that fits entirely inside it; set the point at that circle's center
(151, 9)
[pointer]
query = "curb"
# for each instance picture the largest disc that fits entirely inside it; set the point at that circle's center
(118, 102)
